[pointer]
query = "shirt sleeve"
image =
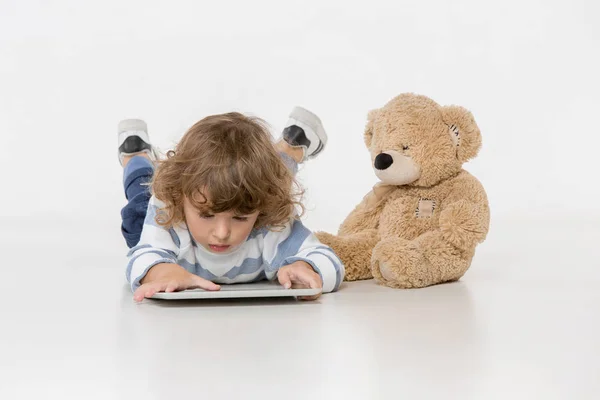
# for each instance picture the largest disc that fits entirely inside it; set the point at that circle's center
(297, 243)
(157, 245)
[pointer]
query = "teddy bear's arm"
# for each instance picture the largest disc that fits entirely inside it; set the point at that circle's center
(366, 214)
(465, 214)
(360, 220)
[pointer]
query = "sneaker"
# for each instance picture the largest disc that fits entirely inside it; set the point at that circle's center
(133, 138)
(304, 129)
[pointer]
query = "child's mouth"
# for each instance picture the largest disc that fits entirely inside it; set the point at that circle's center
(218, 248)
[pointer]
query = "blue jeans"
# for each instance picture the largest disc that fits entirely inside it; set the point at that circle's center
(136, 175)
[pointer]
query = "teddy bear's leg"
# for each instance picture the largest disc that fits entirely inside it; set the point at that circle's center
(447, 261)
(425, 261)
(354, 250)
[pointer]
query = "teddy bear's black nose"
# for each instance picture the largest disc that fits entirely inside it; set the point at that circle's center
(383, 161)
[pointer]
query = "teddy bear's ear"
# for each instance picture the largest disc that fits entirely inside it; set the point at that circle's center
(368, 135)
(463, 130)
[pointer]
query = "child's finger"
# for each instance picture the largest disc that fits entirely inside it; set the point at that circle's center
(310, 278)
(172, 286)
(151, 290)
(316, 296)
(313, 281)
(138, 295)
(284, 279)
(142, 292)
(316, 282)
(205, 284)
(312, 285)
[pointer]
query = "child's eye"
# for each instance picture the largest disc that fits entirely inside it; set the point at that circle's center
(206, 216)
(241, 218)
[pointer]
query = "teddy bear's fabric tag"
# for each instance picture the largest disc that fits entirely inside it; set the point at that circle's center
(455, 135)
(425, 208)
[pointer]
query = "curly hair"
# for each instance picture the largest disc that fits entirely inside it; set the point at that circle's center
(227, 162)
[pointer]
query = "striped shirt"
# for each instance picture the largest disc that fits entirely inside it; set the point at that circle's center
(258, 258)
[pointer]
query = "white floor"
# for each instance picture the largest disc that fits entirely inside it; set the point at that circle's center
(523, 323)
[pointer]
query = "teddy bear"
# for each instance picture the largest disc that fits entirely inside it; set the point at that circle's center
(420, 224)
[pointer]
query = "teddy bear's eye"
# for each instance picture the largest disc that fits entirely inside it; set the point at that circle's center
(404, 147)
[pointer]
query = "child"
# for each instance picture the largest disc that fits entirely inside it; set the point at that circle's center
(220, 208)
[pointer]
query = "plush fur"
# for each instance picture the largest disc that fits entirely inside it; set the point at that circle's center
(421, 223)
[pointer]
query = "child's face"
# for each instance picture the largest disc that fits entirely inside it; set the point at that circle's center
(218, 233)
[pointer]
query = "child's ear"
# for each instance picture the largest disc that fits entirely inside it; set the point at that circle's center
(463, 130)
(368, 135)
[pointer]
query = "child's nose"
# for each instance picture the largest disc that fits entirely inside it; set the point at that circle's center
(222, 231)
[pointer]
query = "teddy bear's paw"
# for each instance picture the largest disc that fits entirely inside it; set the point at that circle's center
(465, 224)
(397, 262)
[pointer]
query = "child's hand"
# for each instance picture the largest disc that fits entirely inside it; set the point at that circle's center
(170, 278)
(300, 275)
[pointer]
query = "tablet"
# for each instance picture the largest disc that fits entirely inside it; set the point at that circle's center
(238, 290)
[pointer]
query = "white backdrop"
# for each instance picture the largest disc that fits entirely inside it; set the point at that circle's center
(70, 70)
(522, 323)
